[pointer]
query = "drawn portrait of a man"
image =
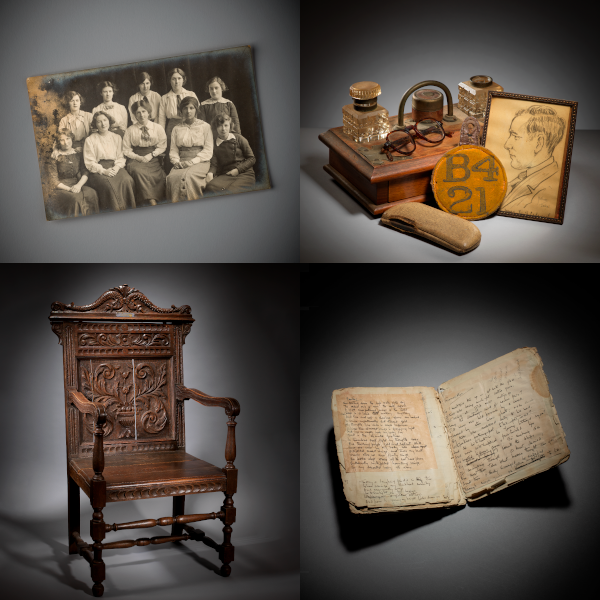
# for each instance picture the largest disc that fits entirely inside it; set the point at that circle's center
(533, 136)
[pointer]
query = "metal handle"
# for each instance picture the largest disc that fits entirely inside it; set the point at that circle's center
(414, 88)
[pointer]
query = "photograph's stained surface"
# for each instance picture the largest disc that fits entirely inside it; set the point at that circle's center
(148, 133)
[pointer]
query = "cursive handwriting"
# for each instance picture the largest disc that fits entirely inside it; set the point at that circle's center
(498, 426)
(386, 433)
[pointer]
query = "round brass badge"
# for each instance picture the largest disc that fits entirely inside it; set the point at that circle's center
(469, 181)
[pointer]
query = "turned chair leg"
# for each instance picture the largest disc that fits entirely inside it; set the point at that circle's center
(73, 510)
(98, 569)
(178, 509)
(226, 551)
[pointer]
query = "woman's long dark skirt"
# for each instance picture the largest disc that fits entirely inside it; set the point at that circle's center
(149, 178)
(63, 204)
(226, 184)
(114, 193)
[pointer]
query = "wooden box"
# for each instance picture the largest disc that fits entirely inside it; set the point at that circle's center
(373, 180)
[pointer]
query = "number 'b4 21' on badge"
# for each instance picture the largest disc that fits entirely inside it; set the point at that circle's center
(469, 181)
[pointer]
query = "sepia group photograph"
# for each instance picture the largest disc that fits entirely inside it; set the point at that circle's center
(148, 133)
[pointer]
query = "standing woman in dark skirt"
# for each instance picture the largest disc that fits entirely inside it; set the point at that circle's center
(217, 105)
(169, 115)
(103, 156)
(143, 143)
(68, 175)
(116, 111)
(231, 164)
(77, 121)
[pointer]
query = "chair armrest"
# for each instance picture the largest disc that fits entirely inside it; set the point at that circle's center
(232, 409)
(231, 405)
(98, 410)
(85, 406)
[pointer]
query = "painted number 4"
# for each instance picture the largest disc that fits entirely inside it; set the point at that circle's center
(491, 170)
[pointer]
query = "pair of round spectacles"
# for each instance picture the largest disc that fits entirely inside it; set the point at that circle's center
(402, 141)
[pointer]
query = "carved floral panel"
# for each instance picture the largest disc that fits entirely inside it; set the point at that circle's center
(135, 393)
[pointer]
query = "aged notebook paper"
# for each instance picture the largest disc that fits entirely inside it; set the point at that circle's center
(393, 449)
(502, 423)
(410, 448)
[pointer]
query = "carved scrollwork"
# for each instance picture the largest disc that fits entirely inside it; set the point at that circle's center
(129, 400)
(121, 298)
(154, 418)
(57, 328)
(124, 339)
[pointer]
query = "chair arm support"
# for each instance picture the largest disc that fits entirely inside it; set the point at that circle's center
(232, 409)
(231, 405)
(98, 411)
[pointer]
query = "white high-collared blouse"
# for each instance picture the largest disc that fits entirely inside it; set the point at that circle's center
(153, 100)
(78, 124)
(198, 133)
(168, 105)
(117, 111)
(103, 147)
(133, 137)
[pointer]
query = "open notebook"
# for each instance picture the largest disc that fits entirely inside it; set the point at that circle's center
(410, 448)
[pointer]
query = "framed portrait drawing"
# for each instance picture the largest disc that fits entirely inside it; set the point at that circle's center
(533, 137)
(148, 133)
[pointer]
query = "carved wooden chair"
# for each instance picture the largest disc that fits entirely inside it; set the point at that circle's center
(124, 395)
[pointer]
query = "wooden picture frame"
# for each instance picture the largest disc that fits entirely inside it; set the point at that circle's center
(533, 137)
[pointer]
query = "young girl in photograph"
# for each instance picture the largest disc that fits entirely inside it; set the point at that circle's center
(232, 160)
(116, 111)
(217, 105)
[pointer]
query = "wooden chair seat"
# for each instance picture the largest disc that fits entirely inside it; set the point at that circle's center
(150, 475)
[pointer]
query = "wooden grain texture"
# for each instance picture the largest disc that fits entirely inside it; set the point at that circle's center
(125, 422)
(385, 183)
(374, 209)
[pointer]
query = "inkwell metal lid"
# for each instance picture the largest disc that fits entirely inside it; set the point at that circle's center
(364, 94)
(481, 81)
(427, 100)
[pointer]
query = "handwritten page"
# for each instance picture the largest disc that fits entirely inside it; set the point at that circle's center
(393, 449)
(388, 433)
(502, 423)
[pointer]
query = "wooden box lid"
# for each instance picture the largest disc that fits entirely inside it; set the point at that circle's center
(366, 158)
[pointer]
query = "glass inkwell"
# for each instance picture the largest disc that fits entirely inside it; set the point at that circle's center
(473, 95)
(365, 120)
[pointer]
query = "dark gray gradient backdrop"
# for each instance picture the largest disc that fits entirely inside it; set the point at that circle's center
(40, 38)
(422, 327)
(243, 344)
(528, 48)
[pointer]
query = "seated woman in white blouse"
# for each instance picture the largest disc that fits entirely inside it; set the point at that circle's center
(76, 121)
(143, 143)
(191, 151)
(103, 156)
(168, 110)
(144, 81)
(117, 111)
